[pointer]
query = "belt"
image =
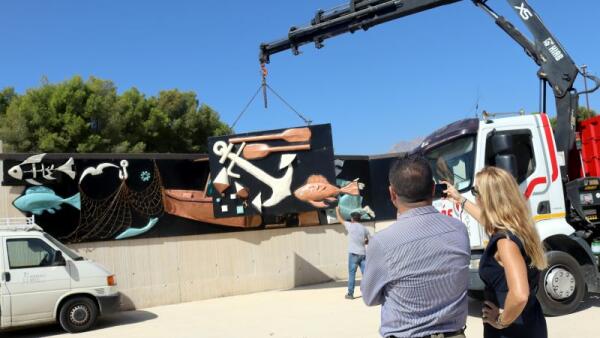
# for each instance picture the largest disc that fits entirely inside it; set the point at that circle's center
(439, 335)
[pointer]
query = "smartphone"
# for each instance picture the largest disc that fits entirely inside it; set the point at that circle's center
(439, 189)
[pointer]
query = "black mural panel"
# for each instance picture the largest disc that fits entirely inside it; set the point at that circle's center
(92, 197)
(106, 196)
(273, 172)
(379, 183)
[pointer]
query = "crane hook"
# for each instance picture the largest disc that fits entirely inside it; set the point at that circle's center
(264, 74)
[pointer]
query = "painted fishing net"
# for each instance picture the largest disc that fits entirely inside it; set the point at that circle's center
(105, 218)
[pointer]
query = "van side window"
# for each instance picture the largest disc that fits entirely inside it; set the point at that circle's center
(28, 253)
(523, 148)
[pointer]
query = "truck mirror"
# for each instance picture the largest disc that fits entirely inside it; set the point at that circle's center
(508, 163)
(59, 260)
(502, 144)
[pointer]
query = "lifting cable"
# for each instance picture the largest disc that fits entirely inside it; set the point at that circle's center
(246, 107)
(264, 86)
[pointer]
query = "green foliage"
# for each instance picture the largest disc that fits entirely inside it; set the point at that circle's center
(90, 116)
(6, 97)
(582, 114)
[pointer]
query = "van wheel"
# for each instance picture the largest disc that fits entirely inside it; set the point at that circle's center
(78, 314)
(561, 286)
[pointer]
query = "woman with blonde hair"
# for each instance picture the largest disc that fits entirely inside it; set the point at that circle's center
(512, 261)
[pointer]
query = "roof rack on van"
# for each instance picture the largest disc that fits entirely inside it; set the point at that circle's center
(19, 224)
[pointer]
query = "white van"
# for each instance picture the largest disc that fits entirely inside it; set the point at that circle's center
(43, 281)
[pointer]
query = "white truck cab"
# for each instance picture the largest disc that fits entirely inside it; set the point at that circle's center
(525, 144)
(42, 281)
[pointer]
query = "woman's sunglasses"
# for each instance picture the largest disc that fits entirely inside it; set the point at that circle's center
(474, 191)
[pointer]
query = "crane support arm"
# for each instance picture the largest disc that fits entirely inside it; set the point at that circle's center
(358, 14)
(556, 66)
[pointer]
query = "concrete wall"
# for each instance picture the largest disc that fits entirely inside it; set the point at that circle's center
(170, 270)
(159, 271)
(7, 196)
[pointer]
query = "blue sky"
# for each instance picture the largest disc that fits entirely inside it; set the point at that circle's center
(398, 81)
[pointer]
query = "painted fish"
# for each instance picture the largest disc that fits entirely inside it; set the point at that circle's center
(39, 199)
(132, 232)
(350, 204)
(32, 168)
(317, 191)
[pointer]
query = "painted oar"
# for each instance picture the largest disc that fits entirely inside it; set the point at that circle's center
(260, 150)
(289, 135)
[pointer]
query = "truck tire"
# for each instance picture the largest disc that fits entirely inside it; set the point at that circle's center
(78, 314)
(561, 286)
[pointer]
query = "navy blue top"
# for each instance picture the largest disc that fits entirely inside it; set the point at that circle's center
(531, 323)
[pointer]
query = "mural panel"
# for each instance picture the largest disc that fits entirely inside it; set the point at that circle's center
(274, 172)
(290, 179)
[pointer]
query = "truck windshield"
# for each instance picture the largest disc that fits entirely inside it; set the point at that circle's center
(72, 254)
(454, 162)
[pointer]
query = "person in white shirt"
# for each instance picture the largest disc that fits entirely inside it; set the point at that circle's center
(358, 237)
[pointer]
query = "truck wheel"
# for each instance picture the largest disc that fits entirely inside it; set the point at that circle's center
(561, 286)
(78, 314)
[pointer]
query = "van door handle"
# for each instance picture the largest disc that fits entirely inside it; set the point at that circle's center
(6, 276)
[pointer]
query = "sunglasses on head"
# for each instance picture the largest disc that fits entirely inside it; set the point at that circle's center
(474, 191)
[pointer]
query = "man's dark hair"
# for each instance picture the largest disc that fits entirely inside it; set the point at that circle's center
(355, 216)
(411, 179)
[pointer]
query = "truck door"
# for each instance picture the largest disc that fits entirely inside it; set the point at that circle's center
(535, 173)
(35, 285)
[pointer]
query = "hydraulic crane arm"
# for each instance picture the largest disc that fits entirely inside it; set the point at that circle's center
(556, 66)
(358, 14)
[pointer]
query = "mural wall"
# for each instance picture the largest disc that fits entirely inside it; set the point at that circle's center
(267, 179)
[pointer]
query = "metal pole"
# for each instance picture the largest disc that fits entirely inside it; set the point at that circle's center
(587, 99)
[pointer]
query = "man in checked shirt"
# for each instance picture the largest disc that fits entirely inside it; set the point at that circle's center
(418, 268)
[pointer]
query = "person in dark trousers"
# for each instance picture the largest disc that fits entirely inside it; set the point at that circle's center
(511, 263)
(358, 237)
(418, 268)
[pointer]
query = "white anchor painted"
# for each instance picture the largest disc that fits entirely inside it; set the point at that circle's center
(280, 187)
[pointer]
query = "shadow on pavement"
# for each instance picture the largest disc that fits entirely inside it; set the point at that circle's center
(327, 285)
(592, 300)
(119, 319)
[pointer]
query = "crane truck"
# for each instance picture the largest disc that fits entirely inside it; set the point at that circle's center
(560, 181)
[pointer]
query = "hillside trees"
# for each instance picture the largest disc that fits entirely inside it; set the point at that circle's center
(90, 116)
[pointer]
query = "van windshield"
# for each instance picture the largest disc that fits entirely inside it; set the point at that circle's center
(72, 254)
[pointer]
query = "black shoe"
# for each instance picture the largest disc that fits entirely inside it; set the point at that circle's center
(348, 296)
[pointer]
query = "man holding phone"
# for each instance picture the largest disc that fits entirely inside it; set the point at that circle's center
(418, 267)
(358, 237)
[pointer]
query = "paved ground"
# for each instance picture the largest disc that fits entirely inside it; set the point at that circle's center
(309, 312)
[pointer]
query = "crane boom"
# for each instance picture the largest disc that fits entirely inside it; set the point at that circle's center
(358, 14)
(556, 66)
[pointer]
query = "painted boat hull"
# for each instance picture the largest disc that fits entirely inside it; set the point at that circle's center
(192, 204)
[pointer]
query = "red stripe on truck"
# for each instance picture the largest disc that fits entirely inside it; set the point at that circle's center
(550, 142)
(553, 162)
(533, 184)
